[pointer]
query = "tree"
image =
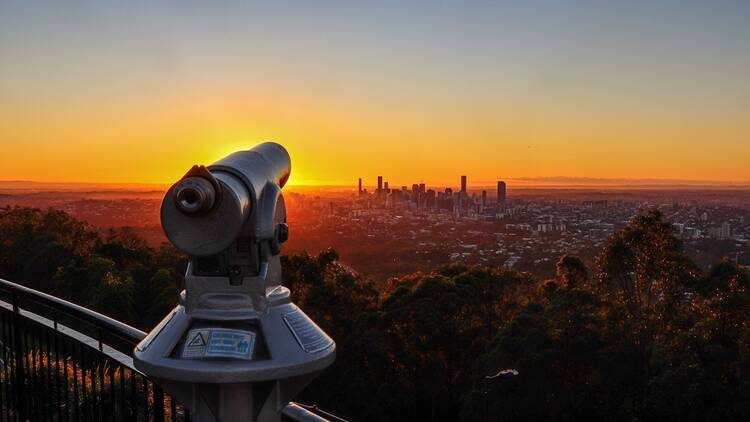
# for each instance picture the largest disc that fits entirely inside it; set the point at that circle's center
(114, 297)
(644, 274)
(35, 243)
(342, 304)
(160, 294)
(571, 271)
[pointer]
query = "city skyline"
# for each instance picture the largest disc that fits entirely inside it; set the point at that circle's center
(383, 185)
(364, 182)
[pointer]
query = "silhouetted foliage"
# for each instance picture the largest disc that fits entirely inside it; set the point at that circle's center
(571, 271)
(115, 273)
(646, 337)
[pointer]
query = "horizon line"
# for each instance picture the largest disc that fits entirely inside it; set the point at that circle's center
(524, 182)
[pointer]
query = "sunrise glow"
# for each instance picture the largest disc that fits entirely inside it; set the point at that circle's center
(123, 93)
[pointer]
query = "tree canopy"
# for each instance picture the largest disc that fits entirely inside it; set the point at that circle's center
(642, 335)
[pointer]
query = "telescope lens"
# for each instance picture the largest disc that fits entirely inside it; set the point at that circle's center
(189, 199)
(194, 195)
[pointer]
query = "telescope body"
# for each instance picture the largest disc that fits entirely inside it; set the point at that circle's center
(207, 210)
(236, 347)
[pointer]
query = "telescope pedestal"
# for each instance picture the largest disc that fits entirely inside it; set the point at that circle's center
(237, 401)
(230, 363)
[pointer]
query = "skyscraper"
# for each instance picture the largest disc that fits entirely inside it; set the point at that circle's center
(501, 194)
(484, 198)
(463, 184)
(360, 186)
(726, 231)
(380, 184)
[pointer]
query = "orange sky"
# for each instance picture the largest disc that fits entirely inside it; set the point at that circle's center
(122, 94)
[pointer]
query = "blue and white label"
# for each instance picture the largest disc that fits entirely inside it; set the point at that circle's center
(219, 343)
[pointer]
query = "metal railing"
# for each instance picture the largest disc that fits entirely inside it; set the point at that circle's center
(63, 362)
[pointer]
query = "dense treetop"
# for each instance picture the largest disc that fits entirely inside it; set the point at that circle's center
(643, 336)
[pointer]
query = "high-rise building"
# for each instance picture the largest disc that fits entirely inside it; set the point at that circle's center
(359, 190)
(430, 198)
(501, 194)
(380, 184)
(463, 184)
(726, 231)
(385, 187)
(484, 198)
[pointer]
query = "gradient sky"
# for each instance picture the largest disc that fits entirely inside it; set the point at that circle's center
(125, 91)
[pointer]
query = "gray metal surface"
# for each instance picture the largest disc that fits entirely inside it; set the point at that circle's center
(202, 222)
(212, 231)
(287, 357)
(236, 347)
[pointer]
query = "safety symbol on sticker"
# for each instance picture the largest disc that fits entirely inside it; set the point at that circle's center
(219, 342)
(197, 340)
(195, 345)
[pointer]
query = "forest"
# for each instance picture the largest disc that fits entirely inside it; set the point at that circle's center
(644, 334)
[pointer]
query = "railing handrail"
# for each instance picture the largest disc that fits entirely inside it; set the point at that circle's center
(122, 330)
(293, 411)
(44, 335)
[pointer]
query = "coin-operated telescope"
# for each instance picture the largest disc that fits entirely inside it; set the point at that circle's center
(235, 348)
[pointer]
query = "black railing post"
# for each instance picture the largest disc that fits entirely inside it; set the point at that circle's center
(101, 407)
(32, 370)
(112, 398)
(20, 378)
(8, 367)
(49, 390)
(146, 410)
(56, 346)
(76, 408)
(158, 404)
(4, 385)
(123, 413)
(133, 396)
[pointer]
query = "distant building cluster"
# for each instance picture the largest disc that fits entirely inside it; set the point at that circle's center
(402, 229)
(419, 197)
(701, 226)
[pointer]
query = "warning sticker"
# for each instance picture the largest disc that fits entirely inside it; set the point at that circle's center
(219, 342)
(311, 338)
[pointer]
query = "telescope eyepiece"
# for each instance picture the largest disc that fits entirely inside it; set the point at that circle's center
(211, 207)
(194, 195)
